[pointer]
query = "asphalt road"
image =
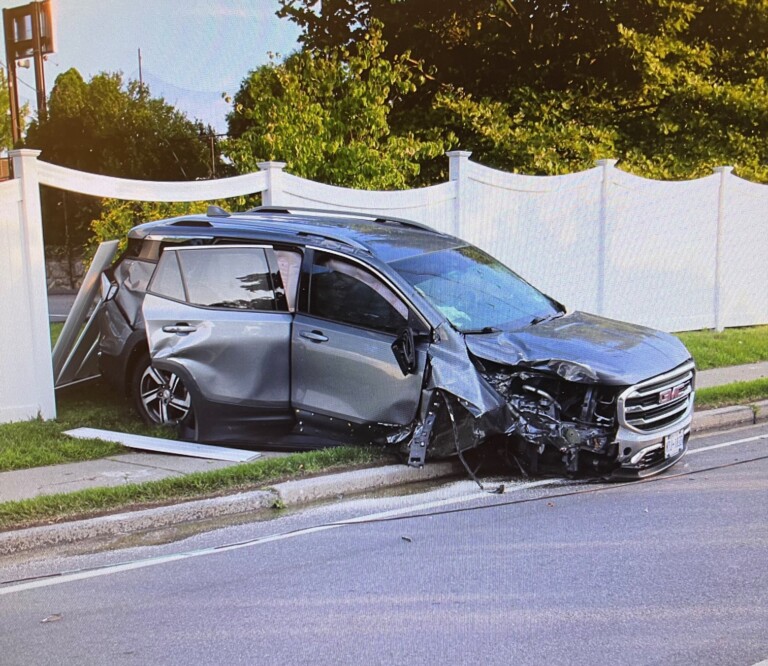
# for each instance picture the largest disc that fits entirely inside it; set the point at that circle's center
(671, 571)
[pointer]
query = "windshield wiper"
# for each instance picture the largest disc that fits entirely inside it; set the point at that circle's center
(480, 331)
(543, 318)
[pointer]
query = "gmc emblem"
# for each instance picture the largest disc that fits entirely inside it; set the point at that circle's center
(671, 394)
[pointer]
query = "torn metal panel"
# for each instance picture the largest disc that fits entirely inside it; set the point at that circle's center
(452, 371)
(165, 445)
(75, 352)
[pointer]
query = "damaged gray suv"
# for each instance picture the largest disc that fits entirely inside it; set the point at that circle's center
(300, 329)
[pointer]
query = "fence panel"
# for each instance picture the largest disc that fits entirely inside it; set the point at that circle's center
(433, 206)
(544, 228)
(20, 396)
(661, 251)
(744, 264)
(672, 255)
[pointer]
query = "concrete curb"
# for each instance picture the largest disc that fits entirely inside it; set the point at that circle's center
(726, 417)
(289, 493)
(293, 493)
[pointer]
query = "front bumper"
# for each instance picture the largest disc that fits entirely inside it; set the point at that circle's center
(641, 455)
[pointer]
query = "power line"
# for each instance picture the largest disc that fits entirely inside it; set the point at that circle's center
(20, 79)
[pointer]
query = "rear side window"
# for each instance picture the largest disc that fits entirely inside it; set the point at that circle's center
(216, 277)
(167, 279)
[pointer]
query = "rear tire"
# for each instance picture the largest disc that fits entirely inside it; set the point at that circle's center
(160, 396)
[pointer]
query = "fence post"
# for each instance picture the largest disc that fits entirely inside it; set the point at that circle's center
(458, 164)
(273, 195)
(602, 232)
(724, 171)
(25, 169)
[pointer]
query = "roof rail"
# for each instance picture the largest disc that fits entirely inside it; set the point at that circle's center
(373, 217)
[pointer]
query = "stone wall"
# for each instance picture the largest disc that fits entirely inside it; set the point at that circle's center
(64, 271)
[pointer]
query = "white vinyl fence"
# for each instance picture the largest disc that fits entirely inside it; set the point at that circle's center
(671, 255)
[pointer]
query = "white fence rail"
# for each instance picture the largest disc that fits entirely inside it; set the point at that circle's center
(672, 255)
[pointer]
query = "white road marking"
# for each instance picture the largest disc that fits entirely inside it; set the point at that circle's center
(165, 559)
(725, 444)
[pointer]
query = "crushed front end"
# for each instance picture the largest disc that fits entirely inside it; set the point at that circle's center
(565, 421)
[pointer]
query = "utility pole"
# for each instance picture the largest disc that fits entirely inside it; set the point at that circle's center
(28, 33)
(141, 78)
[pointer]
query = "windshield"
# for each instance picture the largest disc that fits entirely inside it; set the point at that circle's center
(475, 292)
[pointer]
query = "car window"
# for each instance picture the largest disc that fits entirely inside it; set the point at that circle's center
(345, 292)
(167, 279)
(218, 277)
(473, 290)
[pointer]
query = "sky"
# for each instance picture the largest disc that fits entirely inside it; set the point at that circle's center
(192, 51)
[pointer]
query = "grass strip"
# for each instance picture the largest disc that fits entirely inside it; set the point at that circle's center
(738, 393)
(734, 346)
(243, 477)
(35, 443)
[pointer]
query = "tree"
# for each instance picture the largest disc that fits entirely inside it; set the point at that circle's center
(6, 135)
(326, 113)
(672, 87)
(108, 127)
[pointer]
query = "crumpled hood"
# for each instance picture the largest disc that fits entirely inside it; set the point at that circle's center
(619, 353)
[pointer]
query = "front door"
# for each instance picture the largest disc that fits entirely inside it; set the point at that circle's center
(343, 365)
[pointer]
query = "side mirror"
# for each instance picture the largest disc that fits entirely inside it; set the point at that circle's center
(404, 350)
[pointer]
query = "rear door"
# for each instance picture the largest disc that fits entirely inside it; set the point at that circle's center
(343, 363)
(217, 315)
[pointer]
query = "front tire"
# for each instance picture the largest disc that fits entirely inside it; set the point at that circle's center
(160, 396)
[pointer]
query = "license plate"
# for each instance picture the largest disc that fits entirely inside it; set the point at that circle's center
(673, 443)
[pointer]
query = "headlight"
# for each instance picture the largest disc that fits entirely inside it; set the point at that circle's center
(571, 371)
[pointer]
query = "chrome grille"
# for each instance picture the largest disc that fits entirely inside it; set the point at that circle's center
(659, 401)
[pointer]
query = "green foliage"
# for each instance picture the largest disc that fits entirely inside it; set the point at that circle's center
(670, 87)
(738, 393)
(113, 128)
(326, 113)
(537, 133)
(34, 443)
(6, 135)
(109, 127)
(117, 217)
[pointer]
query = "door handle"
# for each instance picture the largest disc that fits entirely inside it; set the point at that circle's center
(180, 329)
(315, 336)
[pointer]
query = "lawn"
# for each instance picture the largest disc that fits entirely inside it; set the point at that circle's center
(93, 404)
(734, 346)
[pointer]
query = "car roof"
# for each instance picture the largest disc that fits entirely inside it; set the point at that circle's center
(389, 239)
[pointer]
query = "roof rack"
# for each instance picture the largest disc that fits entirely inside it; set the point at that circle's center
(373, 217)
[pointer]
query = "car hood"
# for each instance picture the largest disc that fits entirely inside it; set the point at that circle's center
(614, 352)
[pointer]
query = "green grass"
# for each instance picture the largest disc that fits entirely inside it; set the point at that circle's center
(247, 476)
(93, 404)
(55, 332)
(738, 393)
(734, 346)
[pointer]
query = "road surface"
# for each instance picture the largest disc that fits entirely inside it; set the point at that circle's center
(671, 571)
